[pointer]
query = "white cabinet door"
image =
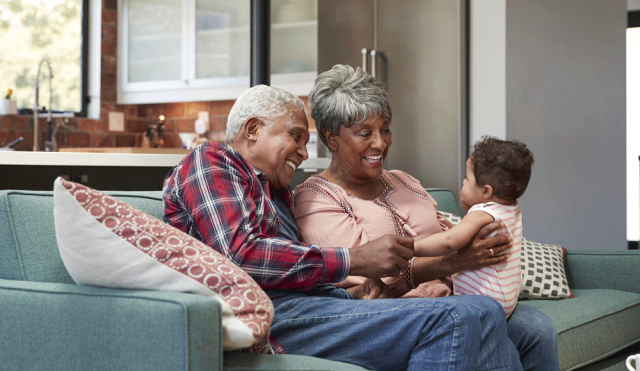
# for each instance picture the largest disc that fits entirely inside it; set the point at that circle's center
(152, 44)
(220, 43)
(195, 50)
(294, 44)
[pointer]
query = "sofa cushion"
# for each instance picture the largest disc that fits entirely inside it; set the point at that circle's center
(29, 251)
(594, 324)
(236, 361)
(106, 242)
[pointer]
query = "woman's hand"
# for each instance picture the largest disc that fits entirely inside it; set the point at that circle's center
(372, 288)
(481, 251)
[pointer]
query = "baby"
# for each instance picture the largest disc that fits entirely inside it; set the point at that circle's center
(497, 174)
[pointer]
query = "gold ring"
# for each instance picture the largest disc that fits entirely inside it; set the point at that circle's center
(491, 250)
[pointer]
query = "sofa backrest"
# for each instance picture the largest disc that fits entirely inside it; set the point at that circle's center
(446, 200)
(28, 245)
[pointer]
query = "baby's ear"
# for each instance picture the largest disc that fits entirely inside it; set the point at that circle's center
(487, 191)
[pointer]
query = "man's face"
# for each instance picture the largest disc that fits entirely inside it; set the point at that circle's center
(281, 145)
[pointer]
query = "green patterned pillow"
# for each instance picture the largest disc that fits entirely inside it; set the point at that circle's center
(542, 267)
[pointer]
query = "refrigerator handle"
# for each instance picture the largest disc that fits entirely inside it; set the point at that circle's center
(373, 63)
(364, 52)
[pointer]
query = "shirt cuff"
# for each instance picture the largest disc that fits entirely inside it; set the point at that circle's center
(337, 264)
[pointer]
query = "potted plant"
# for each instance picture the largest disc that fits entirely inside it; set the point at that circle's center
(7, 105)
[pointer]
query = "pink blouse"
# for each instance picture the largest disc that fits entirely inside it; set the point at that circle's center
(327, 216)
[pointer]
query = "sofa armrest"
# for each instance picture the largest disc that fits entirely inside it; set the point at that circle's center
(604, 269)
(48, 326)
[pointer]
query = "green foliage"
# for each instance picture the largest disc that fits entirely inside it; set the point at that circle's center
(32, 29)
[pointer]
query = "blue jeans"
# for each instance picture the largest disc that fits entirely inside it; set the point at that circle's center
(453, 333)
(536, 339)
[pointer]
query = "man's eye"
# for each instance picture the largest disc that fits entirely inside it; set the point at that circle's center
(364, 134)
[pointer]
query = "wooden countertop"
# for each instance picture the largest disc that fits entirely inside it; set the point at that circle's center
(145, 159)
(154, 151)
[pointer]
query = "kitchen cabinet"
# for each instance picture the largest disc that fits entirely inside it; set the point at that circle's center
(419, 52)
(104, 178)
(195, 50)
(102, 171)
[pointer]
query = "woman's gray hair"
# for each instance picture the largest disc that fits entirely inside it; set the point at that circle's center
(262, 102)
(344, 96)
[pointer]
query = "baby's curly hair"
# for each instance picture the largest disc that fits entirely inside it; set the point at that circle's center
(505, 165)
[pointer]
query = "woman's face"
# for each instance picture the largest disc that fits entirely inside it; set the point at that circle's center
(360, 150)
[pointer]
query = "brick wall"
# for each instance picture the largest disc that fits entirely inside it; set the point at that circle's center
(82, 132)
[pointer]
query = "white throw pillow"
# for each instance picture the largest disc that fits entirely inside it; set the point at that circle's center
(106, 242)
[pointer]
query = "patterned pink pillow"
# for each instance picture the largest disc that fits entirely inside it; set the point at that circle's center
(105, 242)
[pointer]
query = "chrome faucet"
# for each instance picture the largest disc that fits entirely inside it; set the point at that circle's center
(36, 108)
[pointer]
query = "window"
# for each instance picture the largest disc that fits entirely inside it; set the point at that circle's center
(58, 29)
(633, 129)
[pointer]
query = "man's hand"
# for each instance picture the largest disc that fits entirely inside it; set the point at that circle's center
(386, 256)
(481, 251)
(372, 288)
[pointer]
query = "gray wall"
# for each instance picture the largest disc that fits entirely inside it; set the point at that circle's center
(552, 74)
(565, 98)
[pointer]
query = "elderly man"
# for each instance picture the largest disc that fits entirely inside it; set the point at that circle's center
(230, 196)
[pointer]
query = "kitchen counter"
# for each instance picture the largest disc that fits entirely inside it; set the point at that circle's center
(89, 159)
(114, 159)
(104, 171)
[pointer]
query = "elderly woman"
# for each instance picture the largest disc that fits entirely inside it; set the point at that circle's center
(355, 200)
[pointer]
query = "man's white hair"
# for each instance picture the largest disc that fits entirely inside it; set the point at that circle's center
(262, 102)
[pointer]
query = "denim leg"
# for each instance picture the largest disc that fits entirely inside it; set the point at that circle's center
(454, 333)
(536, 338)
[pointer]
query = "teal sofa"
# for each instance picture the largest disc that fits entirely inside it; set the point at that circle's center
(49, 323)
(600, 327)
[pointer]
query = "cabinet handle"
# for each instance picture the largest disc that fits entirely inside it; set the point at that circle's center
(364, 52)
(373, 63)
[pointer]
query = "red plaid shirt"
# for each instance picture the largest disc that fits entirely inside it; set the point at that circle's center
(215, 195)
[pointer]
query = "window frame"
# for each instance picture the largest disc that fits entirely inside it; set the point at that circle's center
(633, 21)
(84, 62)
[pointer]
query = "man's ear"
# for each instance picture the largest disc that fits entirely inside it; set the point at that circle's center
(332, 141)
(250, 129)
(487, 191)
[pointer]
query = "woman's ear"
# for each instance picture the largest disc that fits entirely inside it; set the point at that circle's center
(487, 191)
(250, 129)
(332, 141)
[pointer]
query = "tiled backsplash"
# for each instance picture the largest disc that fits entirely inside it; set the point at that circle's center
(82, 132)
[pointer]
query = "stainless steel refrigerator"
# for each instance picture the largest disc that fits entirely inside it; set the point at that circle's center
(418, 49)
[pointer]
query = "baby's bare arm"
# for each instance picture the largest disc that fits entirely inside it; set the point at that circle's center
(455, 238)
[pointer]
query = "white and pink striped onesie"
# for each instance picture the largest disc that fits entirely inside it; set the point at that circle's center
(501, 281)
